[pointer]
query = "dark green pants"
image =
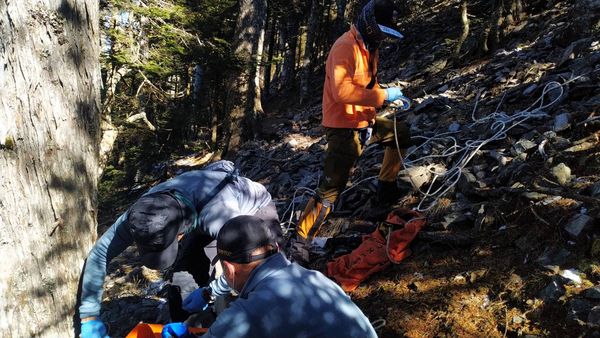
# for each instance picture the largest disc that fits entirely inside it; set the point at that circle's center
(344, 148)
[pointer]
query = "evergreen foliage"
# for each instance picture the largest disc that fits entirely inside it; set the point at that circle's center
(166, 59)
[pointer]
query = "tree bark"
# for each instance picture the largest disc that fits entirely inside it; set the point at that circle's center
(244, 92)
(491, 35)
(313, 20)
(288, 70)
(49, 118)
(271, 37)
(465, 32)
(340, 18)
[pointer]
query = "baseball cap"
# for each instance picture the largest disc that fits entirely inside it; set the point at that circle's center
(383, 11)
(241, 235)
(154, 221)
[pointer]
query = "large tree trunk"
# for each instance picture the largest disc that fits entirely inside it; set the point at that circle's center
(49, 131)
(340, 17)
(307, 66)
(292, 27)
(271, 37)
(244, 93)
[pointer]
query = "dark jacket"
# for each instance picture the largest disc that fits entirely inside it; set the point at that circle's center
(241, 197)
(283, 299)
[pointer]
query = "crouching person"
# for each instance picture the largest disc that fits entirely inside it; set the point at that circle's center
(173, 226)
(277, 298)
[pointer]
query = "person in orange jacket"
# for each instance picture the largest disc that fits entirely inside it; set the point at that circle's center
(351, 95)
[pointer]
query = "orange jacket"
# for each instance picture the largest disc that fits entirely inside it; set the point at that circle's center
(347, 103)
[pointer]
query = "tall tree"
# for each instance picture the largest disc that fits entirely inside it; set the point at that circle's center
(244, 88)
(309, 50)
(465, 31)
(49, 134)
(290, 43)
(340, 17)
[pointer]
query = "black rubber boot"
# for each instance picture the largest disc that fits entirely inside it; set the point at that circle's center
(299, 251)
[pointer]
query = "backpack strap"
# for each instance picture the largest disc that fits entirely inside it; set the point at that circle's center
(200, 205)
(228, 179)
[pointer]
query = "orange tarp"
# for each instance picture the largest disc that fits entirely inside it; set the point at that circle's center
(143, 330)
(377, 252)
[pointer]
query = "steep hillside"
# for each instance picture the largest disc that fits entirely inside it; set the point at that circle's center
(521, 127)
(508, 139)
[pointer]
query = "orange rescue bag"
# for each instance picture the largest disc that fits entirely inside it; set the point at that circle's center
(144, 330)
(377, 252)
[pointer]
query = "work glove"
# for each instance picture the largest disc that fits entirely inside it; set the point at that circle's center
(93, 329)
(393, 94)
(176, 330)
(196, 301)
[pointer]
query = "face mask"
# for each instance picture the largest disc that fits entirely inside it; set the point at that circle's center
(232, 286)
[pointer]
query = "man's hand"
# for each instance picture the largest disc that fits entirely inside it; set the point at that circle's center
(176, 330)
(93, 328)
(393, 94)
(196, 301)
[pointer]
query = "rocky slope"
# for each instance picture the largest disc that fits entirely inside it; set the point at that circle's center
(506, 165)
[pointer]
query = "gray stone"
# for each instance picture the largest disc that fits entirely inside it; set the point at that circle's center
(577, 225)
(454, 219)
(553, 291)
(561, 142)
(426, 103)
(522, 146)
(154, 288)
(593, 318)
(530, 89)
(553, 257)
(592, 293)
(524, 244)
(578, 310)
(562, 173)
(561, 122)
(596, 189)
(443, 88)
(503, 160)
(454, 127)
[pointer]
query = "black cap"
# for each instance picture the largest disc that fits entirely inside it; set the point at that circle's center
(384, 13)
(243, 234)
(155, 221)
(374, 15)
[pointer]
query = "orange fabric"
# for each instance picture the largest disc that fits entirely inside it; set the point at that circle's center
(346, 101)
(372, 255)
(144, 330)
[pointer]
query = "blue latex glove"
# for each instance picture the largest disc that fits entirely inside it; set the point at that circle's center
(176, 330)
(195, 302)
(93, 329)
(393, 94)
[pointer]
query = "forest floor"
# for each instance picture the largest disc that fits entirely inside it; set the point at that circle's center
(513, 248)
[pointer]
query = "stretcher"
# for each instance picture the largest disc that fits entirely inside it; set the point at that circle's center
(144, 330)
